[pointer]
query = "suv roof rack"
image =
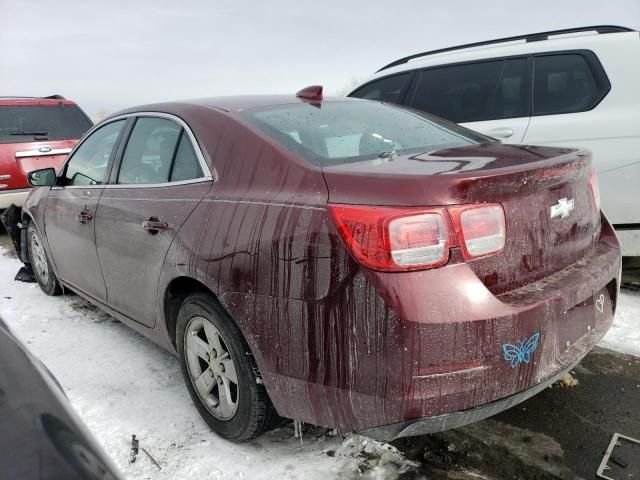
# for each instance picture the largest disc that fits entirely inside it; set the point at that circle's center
(55, 97)
(530, 37)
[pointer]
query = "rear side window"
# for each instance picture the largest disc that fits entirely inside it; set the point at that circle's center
(566, 83)
(26, 123)
(476, 91)
(150, 150)
(186, 165)
(388, 89)
(350, 131)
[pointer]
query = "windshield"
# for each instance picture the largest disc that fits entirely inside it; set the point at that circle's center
(28, 123)
(331, 133)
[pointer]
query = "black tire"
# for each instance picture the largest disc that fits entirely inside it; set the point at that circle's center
(254, 412)
(47, 281)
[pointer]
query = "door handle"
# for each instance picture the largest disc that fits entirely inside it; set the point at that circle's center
(154, 225)
(501, 132)
(84, 216)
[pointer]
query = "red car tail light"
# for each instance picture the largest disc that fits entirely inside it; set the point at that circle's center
(480, 229)
(595, 189)
(395, 239)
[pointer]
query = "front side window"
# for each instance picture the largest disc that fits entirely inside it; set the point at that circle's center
(565, 84)
(388, 89)
(89, 162)
(150, 151)
(351, 131)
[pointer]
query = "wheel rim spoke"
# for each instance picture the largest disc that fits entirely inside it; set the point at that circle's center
(197, 346)
(229, 371)
(204, 383)
(227, 406)
(213, 338)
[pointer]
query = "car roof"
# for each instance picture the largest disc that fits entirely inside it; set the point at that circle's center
(230, 103)
(574, 39)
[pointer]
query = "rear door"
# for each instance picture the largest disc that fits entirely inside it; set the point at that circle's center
(492, 97)
(160, 179)
(71, 208)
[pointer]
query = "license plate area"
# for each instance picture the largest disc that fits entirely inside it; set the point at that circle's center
(583, 318)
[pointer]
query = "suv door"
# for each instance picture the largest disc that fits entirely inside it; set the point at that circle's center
(492, 97)
(160, 179)
(71, 207)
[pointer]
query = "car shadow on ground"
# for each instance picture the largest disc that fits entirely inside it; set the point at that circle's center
(562, 432)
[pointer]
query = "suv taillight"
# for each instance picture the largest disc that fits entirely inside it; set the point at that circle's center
(396, 239)
(595, 189)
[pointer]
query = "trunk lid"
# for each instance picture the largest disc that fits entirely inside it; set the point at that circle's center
(529, 182)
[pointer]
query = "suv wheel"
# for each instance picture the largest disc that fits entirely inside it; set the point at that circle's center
(220, 372)
(40, 263)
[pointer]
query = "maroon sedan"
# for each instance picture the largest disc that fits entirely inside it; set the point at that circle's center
(340, 262)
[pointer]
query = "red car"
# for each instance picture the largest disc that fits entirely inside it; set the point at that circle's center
(340, 262)
(35, 133)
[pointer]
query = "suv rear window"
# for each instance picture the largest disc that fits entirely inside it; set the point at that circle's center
(565, 84)
(26, 123)
(343, 132)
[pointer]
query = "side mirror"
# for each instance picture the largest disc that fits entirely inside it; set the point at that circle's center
(45, 177)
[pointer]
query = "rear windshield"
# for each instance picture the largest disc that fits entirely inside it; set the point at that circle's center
(331, 133)
(26, 123)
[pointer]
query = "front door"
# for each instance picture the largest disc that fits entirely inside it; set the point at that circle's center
(160, 181)
(71, 209)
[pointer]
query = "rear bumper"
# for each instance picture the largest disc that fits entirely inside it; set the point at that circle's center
(388, 349)
(17, 197)
(448, 421)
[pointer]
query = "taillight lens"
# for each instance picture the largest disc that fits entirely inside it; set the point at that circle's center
(595, 189)
(480, 229)
(394, 239)
(401, 239)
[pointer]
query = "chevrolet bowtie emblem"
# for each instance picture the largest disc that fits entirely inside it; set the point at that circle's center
(563, 208)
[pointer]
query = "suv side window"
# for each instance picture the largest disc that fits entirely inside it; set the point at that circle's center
(149, 152)
(474, 92)
(186, 165)
(388, 89)
(565, 84)
(461, 93)
(88, 164)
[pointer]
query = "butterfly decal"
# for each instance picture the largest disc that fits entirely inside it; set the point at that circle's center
(522, 351)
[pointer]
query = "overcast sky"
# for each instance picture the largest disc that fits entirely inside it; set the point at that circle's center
(111, 54)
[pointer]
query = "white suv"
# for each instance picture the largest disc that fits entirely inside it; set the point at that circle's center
(577, 87)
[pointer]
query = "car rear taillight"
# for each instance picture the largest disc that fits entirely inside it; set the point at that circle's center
(396, 239)
(480, 229)
(595, 189)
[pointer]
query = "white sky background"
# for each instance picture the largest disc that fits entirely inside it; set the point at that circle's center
(110, 54)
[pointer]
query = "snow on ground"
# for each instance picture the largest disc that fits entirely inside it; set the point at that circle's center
(122, 384)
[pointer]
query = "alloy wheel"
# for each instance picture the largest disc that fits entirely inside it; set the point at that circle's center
(211, 368)
(39, 259)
